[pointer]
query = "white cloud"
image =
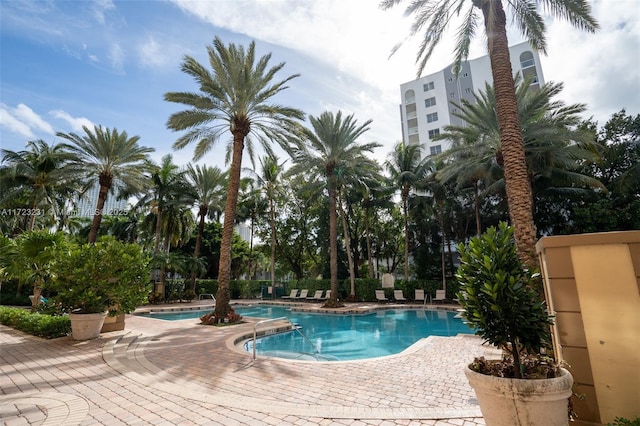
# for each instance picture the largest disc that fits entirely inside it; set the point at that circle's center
(13, 124)
(100, 8)
(154, 53)
(75, 122)
(601, 69)
(116, 57)
(31, 119)
(24, 121)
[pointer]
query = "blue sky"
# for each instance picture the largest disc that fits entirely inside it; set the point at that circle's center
(68, 63)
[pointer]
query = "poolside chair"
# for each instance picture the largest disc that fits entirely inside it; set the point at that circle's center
(399, 296)
(327, 295)
(292, 295)
(316, 296)
(303, 295)
(419, 296)
(380, 297)
(439, 297)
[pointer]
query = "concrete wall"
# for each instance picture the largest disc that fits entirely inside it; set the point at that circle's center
(592, 283)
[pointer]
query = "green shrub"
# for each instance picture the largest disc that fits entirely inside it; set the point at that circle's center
(93, 278)
(621, 421)
(36, 324)
(498, 298)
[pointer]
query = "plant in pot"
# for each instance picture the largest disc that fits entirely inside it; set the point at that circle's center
(93, 280)
(499, 300)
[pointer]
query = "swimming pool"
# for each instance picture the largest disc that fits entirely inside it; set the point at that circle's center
(352, 337)
(331, 337)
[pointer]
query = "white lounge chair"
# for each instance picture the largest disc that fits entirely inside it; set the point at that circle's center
(439, 297)
(399, 296)
(292, 295)
(419, 295)
(303, 295)
(327, 295)
(380, 297)
(316, 296)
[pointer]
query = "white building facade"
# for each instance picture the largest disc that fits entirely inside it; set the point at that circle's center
(427, 102)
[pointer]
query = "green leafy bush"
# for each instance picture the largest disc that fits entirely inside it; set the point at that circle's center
(93, 278)
(498, 298)
(36, 324)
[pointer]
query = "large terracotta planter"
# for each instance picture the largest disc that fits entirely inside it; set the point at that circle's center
(86, 326)
(522, 402)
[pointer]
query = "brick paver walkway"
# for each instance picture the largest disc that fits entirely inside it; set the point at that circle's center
(180, 373)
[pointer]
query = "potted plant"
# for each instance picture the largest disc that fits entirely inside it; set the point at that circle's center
(93, 280)
(499, 300)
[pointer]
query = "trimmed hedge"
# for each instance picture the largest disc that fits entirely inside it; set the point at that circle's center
(36, 324)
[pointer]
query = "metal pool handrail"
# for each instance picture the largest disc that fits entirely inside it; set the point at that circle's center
(293, 327)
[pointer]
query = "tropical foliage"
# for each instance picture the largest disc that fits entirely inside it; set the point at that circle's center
(331, 211)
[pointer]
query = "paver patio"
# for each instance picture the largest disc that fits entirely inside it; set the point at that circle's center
(181, 373)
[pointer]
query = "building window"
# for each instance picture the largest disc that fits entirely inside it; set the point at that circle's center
(429, 102)
(467, 90)
(466, 74)
(452, 94)
(428, 86)
(433, 133)
(526, 60)
(435, 150)
(432, 117)
(450, 79)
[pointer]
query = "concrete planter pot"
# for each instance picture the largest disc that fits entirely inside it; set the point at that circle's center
(86, 326)
(522, 402)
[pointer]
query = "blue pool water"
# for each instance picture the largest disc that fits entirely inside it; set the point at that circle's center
(351, 337)
(344, 337)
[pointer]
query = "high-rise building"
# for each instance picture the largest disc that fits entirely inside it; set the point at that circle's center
(86, 205)
(426, 102)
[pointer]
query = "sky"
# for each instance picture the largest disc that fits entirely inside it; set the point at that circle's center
(65, 64)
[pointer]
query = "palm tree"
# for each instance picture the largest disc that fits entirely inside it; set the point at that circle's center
(251, 206)
(167, 186)
(113, 157)
(34, 251)
(328, 149)
(374, 195)
(352, 177)
(209, 185)
(269, 182)
(434, 16)
(41, 173)
(554, 146)
(235, 98)
(407, 168)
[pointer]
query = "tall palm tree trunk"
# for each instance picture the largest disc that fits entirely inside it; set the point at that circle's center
(158, 231)
(105, 185)
(442, 253)
(405, 213)
(333, 244)
(368, 238)
(347, 244)
(223, 296)
(518, 186)
(272, 218)
(196, 251)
